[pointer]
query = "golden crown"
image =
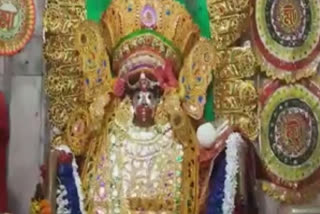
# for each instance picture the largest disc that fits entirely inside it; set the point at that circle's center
(164, 27)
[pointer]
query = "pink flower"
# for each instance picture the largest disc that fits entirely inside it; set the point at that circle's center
(119, 87)
(166, 76)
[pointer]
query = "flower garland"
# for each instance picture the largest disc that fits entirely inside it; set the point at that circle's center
(224, 177)
(74, 197)
(62, 202)
(233, 144)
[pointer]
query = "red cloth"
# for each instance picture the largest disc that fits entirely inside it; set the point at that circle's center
(4, 137)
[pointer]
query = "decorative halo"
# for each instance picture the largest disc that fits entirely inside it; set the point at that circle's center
(16, 25)
(290, 138)
(286, 34)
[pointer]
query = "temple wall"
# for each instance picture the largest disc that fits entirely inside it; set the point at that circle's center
(21, 81)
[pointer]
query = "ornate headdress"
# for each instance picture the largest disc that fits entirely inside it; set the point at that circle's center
(146, 33)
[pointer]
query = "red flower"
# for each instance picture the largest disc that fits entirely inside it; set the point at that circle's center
(65, 157)
(119, 87)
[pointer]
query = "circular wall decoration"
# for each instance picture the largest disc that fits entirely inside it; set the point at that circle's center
(290, 134)
(17, 20)
(286, 34)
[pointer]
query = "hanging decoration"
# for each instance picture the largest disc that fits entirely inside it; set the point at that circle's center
(290, 147)
(234, 143)
(235, 96)
(223, 196)
(286, 34)
(17, 21)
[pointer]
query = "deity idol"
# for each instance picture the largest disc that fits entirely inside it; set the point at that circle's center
(126, 98)
(146, 158)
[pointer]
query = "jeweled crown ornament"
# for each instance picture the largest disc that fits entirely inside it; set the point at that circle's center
(148, 31)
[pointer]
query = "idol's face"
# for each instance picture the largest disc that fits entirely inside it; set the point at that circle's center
(144, 104)
(145, 96)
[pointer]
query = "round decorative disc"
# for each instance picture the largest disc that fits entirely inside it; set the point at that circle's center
(17, 20)
(287, 37)
(290, 131)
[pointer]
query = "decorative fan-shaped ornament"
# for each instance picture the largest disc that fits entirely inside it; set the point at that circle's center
(17, 20)
(290, 141)
(286, 34)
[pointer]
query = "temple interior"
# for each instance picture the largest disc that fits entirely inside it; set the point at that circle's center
(149, 106)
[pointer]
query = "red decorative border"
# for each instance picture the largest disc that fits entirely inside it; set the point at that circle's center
(272, 86)
(268, 90)
(30, 26)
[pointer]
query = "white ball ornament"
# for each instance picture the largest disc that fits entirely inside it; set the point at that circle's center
(206, 134)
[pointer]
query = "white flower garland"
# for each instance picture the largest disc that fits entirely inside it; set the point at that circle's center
(75, 176)
(62, 203)
(233, 145)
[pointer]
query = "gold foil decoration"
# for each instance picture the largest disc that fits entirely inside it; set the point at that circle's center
(228, 20)
(235, 95)
(195, 77)
(94, 60)
(63, 82)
